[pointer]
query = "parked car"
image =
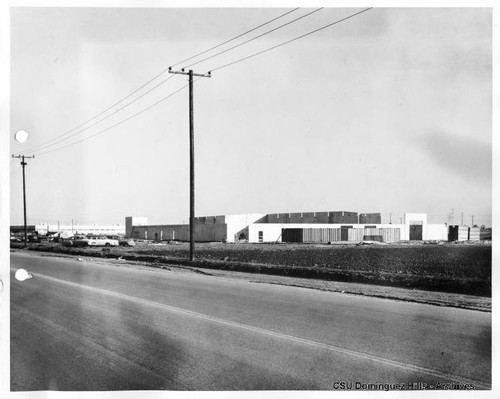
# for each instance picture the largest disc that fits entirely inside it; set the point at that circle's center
(126, 242)
(67, 242)
(101, 241)
(80, 242)
(33, 238)
(75, 241)
(114, 237)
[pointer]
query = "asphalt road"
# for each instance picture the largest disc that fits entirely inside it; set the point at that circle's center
(88, 326)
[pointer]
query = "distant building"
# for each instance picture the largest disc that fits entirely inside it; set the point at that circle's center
(321, 227)
(70, 229)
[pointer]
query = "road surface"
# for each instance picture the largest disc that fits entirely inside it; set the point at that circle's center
(89, 326)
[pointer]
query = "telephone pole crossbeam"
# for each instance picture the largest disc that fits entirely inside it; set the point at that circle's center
(190, 73)
(183, 72)
(23, 164)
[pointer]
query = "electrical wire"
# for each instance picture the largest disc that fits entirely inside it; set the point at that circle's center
(51, 141)
(234, 38)
(218, 68)
(116, 124)
(40, 147)
(96, 116)
(290, 41)
(255, 38)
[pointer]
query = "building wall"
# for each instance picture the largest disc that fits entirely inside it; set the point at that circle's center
(29, 229)
(474, 234)
(413, 218)
(203, 232)
(225, 228)
(458, 233)
(271, 232)
(313, 217)
(371, 218)
(131, 221)
(162, 232)
(438, 232)
(236, 224)
(343, 217)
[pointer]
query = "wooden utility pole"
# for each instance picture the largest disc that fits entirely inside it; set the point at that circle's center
(191, 154)
(23, 163)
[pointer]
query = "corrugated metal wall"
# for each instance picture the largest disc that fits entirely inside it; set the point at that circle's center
(390, 235)
(458, 233)
(474, 234)
(324, 235)
(311, 235)
(355, 234)
(463, 233)
(372, 232)
(350, 234)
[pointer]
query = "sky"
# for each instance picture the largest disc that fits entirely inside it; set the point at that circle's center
(389, 111)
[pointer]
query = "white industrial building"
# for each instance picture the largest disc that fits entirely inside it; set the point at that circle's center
(67, 230)
(322, 227)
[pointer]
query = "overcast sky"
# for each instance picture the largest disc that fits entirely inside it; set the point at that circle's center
(389, 111)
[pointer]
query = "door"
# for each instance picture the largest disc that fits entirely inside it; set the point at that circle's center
(416, 232)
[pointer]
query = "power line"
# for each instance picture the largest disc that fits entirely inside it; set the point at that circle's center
(116, 124)
(290, 41)
(148, 82)
(101, 113)
(236, 37)
(39, 147)
(218, 68)
(255, 38)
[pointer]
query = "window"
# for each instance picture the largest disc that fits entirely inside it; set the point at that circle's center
(261, 236)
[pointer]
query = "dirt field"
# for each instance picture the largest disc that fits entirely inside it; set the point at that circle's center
(454, 268)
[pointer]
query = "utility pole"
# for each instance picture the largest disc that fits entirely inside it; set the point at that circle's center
(472, 217)
(23, 163)
(390, 218)
(191, 154)
(462, 220)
